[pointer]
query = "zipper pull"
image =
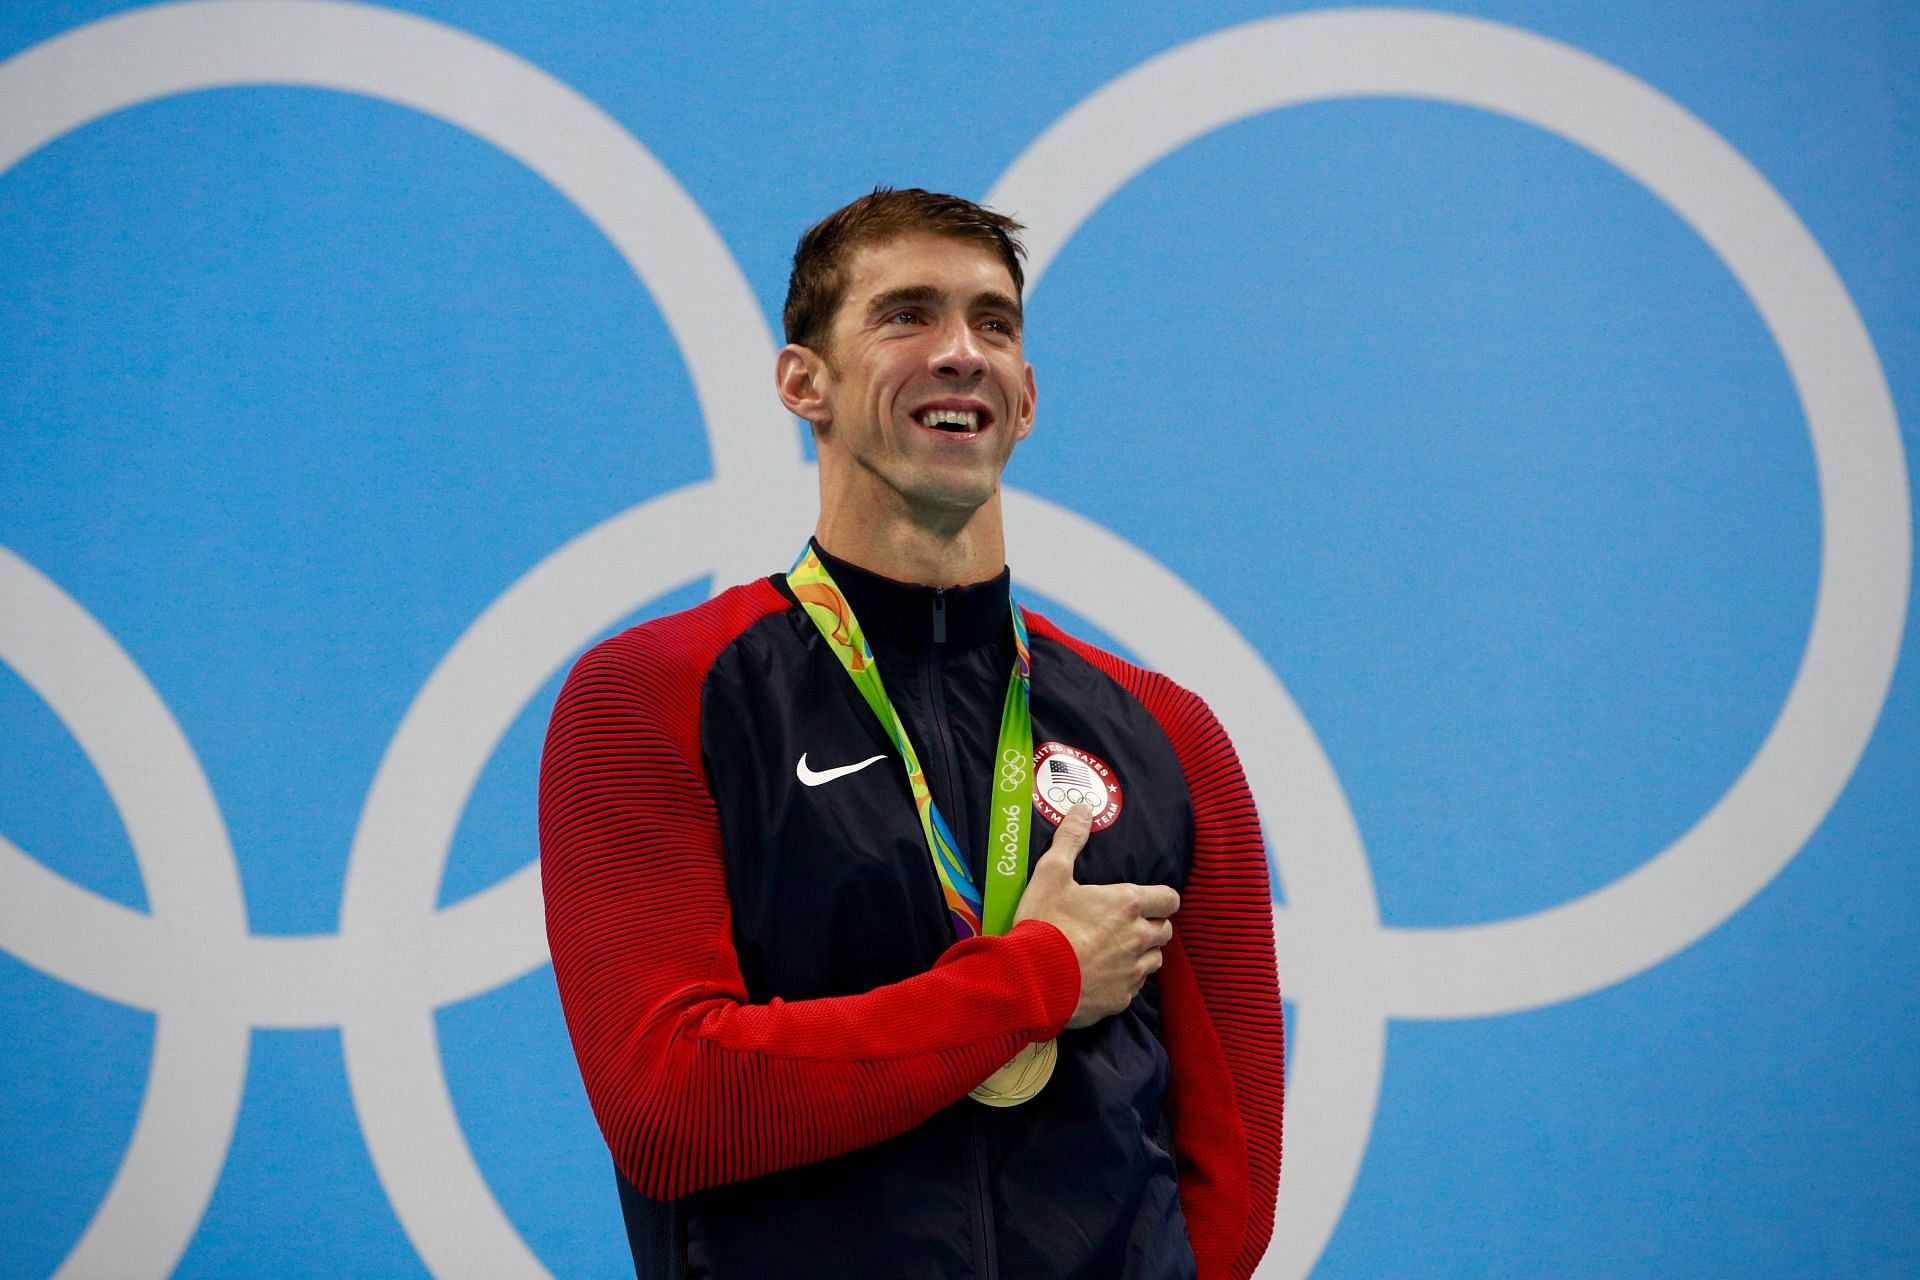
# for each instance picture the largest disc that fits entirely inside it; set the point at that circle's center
(939, 615)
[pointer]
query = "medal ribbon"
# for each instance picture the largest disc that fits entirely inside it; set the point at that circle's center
(1011, 804)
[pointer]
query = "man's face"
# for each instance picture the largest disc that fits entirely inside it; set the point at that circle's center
(925, 389)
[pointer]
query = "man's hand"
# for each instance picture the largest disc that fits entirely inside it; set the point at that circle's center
(1116, 930)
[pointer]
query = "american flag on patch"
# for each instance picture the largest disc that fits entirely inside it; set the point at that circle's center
(1065, 769)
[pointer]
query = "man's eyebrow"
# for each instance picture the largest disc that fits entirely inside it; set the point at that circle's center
(926, 295)
(912, 295)
(1000, 302)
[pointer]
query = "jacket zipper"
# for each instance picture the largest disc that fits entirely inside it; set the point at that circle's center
(985, 1255)
(948, 758)
(983, 1218)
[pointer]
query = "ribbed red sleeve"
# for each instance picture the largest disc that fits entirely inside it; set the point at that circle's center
(692, 1086)
(1220, 999)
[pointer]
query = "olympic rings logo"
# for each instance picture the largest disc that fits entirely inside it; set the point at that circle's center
(1014, 767)
(192, 959)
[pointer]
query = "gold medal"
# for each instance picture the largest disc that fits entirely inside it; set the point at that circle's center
(1024, 1075)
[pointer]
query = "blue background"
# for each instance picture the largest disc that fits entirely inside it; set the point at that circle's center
(1477, 443)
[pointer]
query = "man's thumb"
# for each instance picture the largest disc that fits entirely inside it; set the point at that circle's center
(1072, 834)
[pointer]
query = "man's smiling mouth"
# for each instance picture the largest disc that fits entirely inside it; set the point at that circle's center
(961, 421)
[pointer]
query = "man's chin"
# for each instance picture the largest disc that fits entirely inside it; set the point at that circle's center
(952, 500)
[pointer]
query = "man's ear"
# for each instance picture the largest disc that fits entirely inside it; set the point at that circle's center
(799, 374)
(1023, 422)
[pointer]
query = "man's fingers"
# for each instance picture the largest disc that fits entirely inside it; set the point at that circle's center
(1148, 965)
(1157, 901)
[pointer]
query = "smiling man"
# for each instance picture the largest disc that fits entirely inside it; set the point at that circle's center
(899, 933)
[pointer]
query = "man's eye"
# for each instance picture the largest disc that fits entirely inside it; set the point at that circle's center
(906, 315)
(996, 325)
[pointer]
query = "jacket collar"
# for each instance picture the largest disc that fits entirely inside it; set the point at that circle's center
(902, 615)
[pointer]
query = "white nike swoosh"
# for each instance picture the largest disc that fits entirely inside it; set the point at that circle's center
(814, 778)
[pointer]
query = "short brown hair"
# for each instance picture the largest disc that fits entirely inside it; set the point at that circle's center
(819, 279)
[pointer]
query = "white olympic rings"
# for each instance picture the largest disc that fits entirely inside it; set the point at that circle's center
(1755, 829)
(396, 958)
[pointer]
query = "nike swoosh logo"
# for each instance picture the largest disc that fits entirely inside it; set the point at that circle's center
(814, 778)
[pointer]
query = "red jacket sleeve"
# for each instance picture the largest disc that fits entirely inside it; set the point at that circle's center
(693, 1086)
(1220, 999)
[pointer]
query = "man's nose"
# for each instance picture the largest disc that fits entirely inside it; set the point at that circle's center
(959, 354)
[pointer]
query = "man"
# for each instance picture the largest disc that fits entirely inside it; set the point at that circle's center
(784, 837)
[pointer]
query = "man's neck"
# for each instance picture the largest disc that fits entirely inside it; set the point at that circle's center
(907, 550)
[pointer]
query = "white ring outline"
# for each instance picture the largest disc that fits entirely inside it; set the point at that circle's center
(154, 1204)
(1829, 714)
(171, 959)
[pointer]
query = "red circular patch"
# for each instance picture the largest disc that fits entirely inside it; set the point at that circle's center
(1064, 776)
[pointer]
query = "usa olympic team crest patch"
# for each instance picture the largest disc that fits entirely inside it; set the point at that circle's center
(1064, 776)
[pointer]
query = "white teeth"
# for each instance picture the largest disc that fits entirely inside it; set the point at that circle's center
(966, 419)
